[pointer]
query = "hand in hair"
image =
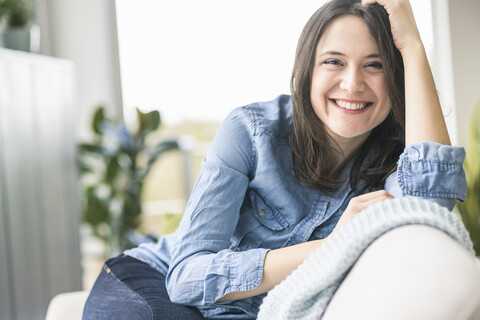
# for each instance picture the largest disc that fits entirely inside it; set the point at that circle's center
(423, 114)
(404, 29)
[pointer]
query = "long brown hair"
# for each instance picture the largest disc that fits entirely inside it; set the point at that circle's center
(314, 159)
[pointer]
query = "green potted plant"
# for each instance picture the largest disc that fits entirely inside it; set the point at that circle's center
(20, 32)
(470, 209)
(113, 169)
(4, 7)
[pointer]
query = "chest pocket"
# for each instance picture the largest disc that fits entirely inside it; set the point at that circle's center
(266, 214)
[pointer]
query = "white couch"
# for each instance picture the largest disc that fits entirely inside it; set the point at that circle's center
(413, 272)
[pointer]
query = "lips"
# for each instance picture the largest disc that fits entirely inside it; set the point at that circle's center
(351, 105)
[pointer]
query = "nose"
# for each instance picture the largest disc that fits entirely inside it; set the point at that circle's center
(352, 80)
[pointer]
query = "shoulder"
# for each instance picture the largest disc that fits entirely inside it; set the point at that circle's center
(271, 117)
(235, 142)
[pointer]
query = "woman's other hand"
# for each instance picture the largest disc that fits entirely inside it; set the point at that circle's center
(279, 263)
(357, 204)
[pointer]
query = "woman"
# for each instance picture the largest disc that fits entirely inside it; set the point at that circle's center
(282, 176)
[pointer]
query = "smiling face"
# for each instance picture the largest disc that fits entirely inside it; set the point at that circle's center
(348, 91)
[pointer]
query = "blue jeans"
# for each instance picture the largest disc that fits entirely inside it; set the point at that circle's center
(130, 289)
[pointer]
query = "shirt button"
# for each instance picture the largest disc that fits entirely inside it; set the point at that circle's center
(261, 213)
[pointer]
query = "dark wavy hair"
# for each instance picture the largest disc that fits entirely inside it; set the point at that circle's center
(314, 160)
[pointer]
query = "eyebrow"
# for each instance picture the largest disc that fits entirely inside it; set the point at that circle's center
(336, 53)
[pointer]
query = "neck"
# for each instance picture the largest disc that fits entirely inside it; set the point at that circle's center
(348, 146)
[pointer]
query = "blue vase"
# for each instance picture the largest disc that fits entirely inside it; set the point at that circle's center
(22, 38)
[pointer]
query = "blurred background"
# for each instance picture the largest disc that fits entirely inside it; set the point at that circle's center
(107, 109)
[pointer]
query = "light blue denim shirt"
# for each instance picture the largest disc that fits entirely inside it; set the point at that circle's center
(247, 200)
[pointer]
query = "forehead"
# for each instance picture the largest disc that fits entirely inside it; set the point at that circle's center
(347, 34)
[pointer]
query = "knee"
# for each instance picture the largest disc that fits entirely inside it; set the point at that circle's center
(423, 258)
(411, 272)
(112, 299)
(423, 250)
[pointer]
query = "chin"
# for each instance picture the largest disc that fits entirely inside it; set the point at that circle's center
(351, 134)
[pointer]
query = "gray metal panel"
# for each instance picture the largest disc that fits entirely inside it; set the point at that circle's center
(57, 165)
(70, 180)
(22, 192)
(39, 211)
(6, 292)
(6, 286)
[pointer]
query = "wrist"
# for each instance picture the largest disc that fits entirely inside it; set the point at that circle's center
(413, 52)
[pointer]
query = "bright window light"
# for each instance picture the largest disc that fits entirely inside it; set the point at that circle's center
(197, 60)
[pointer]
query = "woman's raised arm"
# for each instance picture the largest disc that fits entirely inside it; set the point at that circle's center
(424, 119)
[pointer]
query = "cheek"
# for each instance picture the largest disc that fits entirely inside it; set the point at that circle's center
(384, 111)
(321, 81)
(382, 94)
(381, 90)
(320, 85)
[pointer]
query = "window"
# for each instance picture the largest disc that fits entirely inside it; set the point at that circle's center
(195, 61)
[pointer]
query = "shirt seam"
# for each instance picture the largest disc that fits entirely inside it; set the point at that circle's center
(253, 160)
(445, 163)
(111, 273)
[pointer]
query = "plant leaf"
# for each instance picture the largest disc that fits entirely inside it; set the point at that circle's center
(148, 122)
(470, 209)
(89, 147)
(160, 148)
(98, 119)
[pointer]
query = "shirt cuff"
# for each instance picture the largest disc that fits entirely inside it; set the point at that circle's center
(245, 272)
(432, 170)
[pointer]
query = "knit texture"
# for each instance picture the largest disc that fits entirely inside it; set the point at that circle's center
(306, 292)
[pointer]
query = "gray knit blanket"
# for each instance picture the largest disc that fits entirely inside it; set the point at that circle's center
(305, 293)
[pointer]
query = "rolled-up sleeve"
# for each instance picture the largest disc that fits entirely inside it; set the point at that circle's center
(203, 267)
(432, 171)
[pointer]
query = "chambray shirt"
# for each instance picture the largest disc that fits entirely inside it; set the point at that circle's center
(247, 200)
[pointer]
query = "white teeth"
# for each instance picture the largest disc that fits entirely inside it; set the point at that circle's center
(350, 106)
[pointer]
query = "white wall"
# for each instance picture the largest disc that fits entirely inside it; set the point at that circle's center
(84, 31)
(442, 65)
(465, 40)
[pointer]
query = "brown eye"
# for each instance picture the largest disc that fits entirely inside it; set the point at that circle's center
(376, 65)
(333, 62)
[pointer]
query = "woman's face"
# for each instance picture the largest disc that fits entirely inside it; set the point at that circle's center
(348, 90)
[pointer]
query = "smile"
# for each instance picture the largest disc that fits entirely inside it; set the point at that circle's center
(351, 105)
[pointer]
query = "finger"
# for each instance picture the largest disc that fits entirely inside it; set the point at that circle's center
(366, 3)
(363, 205)
(361, 202)
(373, 195)
(372, 201)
